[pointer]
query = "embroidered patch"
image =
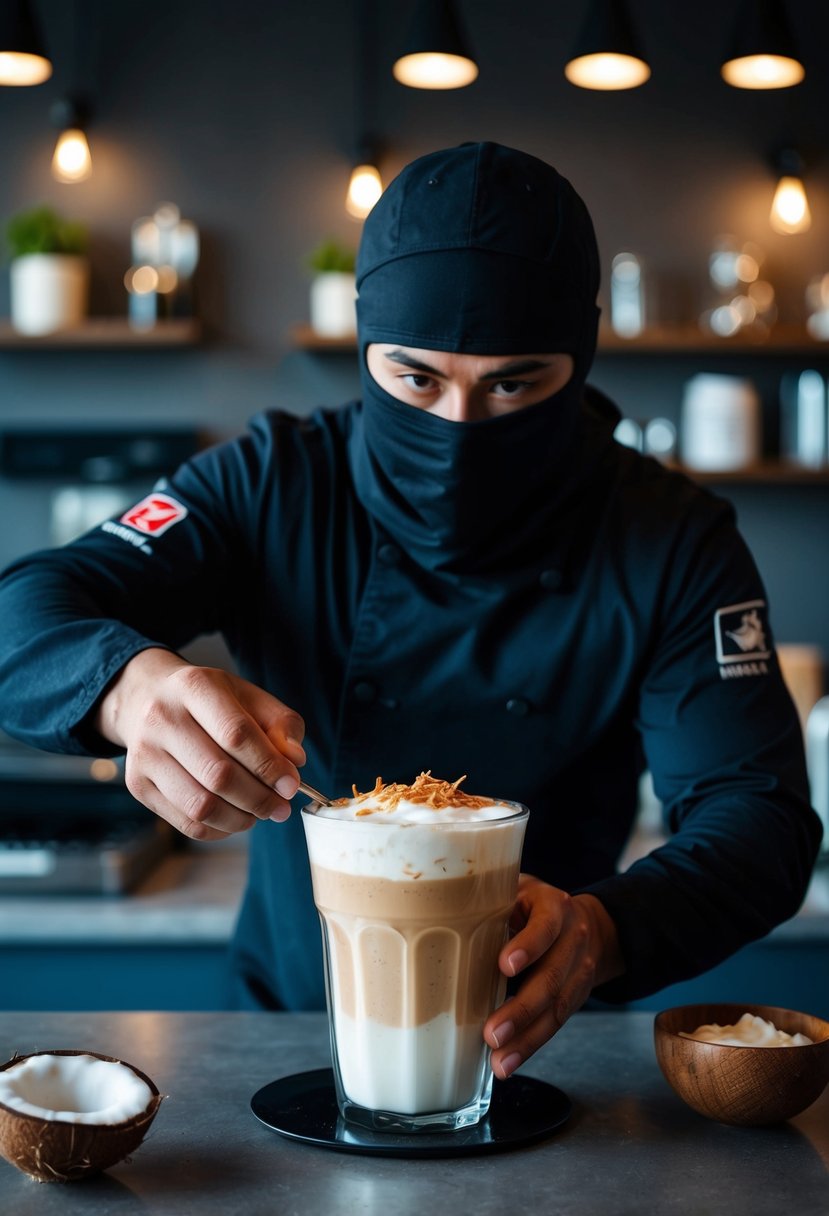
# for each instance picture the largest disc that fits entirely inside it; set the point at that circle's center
(154, 514)
(741, 633)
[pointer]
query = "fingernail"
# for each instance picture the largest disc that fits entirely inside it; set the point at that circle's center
(281, 815)
(287, 786)
(518, 960)
(509, 1064)
(503, 1033)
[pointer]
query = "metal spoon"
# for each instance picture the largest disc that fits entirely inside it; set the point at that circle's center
(314, 795)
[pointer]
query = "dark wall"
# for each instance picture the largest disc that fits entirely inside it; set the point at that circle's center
(243, 114)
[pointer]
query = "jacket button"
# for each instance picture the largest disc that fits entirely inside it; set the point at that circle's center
(551, 580)
(389, 554)
(518, 707)
(364, 692)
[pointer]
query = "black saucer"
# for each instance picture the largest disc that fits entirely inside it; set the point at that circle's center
(304, 1107)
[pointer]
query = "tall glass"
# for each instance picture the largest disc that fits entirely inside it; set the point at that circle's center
(413, 918)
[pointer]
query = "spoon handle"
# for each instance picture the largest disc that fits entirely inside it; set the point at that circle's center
(313, 794)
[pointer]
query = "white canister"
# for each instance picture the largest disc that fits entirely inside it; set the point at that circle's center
(333, 304)
(49, 292)
(721, 425)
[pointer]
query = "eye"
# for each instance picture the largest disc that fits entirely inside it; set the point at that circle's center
(511, 388)
(418, 382)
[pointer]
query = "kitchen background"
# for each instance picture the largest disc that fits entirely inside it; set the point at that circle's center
(247, 116)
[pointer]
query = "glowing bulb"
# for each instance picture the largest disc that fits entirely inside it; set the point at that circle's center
(72, 161)
(435, 70)
(19, 69)
(364, 189)
(790, 207)
(763, 72)
(607, 71)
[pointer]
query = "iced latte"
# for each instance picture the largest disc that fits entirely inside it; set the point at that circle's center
(414, 886)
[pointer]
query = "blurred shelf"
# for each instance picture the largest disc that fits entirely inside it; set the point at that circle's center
(303, 337)
(101, 333)
(689, 339)
(770, 472)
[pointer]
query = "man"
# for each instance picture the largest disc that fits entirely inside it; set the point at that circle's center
(462, 572)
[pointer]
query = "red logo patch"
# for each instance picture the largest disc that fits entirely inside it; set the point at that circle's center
(154, 514)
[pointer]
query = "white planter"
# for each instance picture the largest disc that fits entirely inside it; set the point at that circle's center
(49, 291)
(333, 311)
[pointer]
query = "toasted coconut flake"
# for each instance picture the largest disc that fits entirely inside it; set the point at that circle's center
(425, 790)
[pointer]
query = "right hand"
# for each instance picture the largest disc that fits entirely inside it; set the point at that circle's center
(206, 750)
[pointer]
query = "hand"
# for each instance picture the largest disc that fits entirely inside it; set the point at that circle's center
(566, 945)
(206, 750)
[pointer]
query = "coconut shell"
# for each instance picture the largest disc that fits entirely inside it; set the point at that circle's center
(49, 1150)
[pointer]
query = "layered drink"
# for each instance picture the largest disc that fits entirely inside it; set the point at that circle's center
(414, 885)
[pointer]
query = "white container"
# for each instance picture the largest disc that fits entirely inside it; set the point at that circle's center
(333, 304)
(721, 426)
(49, 292)
(817, 758)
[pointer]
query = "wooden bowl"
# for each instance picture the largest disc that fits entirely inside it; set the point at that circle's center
(747, 1086)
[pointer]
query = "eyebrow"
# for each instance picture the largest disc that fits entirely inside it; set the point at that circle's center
(518, 367)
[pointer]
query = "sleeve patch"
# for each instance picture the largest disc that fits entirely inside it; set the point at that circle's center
(741, 634)
(153, 515)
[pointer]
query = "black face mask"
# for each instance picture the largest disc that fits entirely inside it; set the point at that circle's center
(484, 250)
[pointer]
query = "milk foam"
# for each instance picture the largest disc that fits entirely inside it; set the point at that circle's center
(414, 841)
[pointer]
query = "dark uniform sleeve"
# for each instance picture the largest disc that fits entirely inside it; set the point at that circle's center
(71, 618)
(724, 745)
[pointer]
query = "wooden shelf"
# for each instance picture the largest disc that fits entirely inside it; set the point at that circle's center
(303, 337)
(770, 472)
(100, 333)
(783, 340)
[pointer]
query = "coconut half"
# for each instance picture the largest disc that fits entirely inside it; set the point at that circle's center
(66, 1115)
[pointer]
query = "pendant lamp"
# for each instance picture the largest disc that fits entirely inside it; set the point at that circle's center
(790, 207)
(606, 55)
(23, 59)
(71, 160)
(763, 52)
(436, 54)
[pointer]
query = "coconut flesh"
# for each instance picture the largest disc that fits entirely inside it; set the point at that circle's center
(66, 1115)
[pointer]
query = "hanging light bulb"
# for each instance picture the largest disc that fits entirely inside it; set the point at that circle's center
(763, 53)
(790, 207)
(364, 189)
(23, 59)
(72, 159)
(606, 55)
(436, 54)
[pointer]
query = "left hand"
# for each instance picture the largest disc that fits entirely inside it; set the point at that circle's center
(566, 945)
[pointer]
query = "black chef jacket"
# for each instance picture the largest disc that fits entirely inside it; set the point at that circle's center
(634, 632)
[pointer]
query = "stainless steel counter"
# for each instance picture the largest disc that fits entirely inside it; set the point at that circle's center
(630, 1146)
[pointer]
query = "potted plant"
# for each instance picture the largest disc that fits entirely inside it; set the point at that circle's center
(49, 271)
(333, 290)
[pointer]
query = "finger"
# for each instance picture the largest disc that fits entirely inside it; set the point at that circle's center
(195, 807)
(148, 793)
(543, 916)
(524, 1042)
(237, 733)
(218, 773)
(554, 988)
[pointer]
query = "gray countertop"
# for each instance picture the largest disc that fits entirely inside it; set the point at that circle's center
(629, 1147)
(192, 898)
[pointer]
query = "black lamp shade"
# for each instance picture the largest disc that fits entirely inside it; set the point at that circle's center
(763, 28)
(19, 29)
(607, 29)
(436, 27)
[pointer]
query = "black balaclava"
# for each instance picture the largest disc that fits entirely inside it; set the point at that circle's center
(478, 249)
